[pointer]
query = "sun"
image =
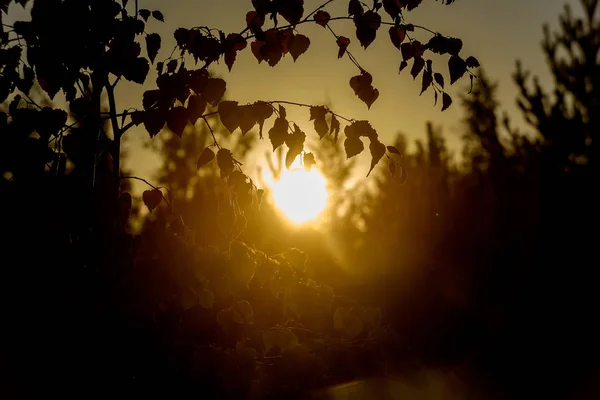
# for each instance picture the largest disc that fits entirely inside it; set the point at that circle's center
(301, 195)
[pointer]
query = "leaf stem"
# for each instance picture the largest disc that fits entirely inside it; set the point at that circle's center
(211, 132)
(151, 185)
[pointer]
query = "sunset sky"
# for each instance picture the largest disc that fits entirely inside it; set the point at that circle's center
(496, 32)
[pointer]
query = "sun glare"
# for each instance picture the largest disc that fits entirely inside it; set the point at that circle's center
(301, 195)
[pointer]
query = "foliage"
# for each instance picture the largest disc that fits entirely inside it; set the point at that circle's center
(228, 318)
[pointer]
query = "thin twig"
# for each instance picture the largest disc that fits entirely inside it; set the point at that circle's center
(149, 184)
(211, 132)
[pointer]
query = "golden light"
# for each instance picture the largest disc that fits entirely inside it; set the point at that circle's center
(301, 195)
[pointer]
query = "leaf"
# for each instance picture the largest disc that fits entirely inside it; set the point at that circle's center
(353, 146)
(177, 119)
(206, 157)
(393, 150)
(427, 80)
(417, 67)
(366, 27)
(171, 66)
(407, 50)
(446, 101)
(318, 115)
(360, 128)
(346, 321)
(285, 339)
(152, 198)
(50, 121)
(397, 35)
(137, 70)
(145, 14)
(157, 15)
(196, 107)
(334, 127)
(295, 143)
(262, 111)
(361, 84)
(290, 10)
(214, 91)
(234, 43)
(472, 62)
(403, 65)
(439, 79)
(377, 150)
(225, 162)
(152, 45)
(228, 113)
(322, 18)
(279, 132)
(242, 312)
(309, 161)
(342, 43)
(392, 168)
(457, 68)
(300, 44)
(403, 175)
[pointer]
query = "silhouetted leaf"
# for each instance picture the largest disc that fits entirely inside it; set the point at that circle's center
(291, 10)
(171, 66)
(472, 62)
(262, 111)
(152, 45)
(439, 79)
(334, 128)
(137, 70)
(377, 150)
(228, 113)
(353, 146)
(366, 27)
(177, 119)
(361, 84)
(152, 198)
(154, 121)
(446, 101)
(408, 51)
(318, 115)
(196, 107)
(403, 65)
(427, 79)
(417, 67)
(214, 91)
(144, 13)
(26, 82)
(295, 143)
(309, 161)
(342, 43)
(322, 18)
(234, 43)
(158, 15)
(397, 35)
(206, 157)
(299, 45)
(457, 68)
(279, 132)
(393, 150)
(225, 162)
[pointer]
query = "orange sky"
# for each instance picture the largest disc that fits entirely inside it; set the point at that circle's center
(496, 32)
